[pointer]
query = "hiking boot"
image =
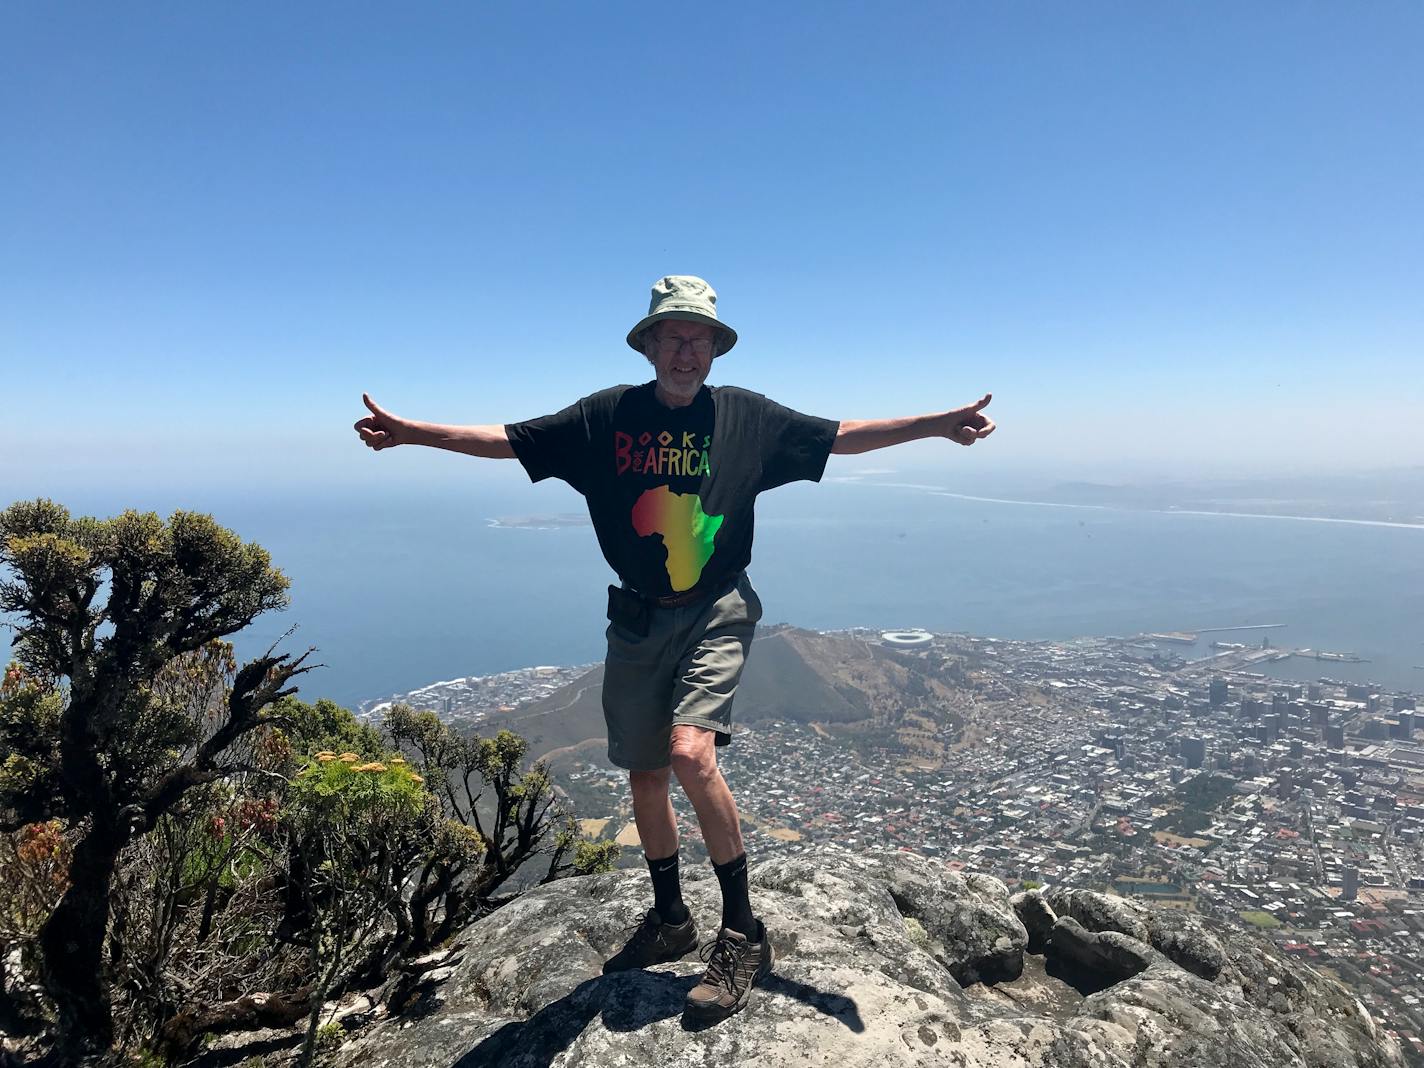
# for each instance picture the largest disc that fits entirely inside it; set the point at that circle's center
(653, 942)
(734, 965)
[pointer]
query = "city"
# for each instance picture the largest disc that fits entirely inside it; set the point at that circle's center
(1293, 808)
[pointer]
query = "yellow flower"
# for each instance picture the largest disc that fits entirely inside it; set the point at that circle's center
(348, 758)
(418, 778)
(324, 757)
(373, 766)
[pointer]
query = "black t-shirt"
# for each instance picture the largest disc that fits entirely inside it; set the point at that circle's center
(671, 490)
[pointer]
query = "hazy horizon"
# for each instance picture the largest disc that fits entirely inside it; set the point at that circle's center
(409, 584)
(436, 471)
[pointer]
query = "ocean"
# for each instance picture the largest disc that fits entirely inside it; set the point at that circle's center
(397, 589)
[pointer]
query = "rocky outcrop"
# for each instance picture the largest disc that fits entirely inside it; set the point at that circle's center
(882, 959)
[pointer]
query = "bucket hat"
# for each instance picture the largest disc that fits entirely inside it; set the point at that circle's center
(683, 296)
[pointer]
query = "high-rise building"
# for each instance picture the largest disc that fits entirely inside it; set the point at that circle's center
(1218, 692)
(1349, 883)
(1278, 704)
(1406, 722)
(1319, 714)
(1335, 735)
(1114, 738)
(1194, 752)
(1253, 707)
(1313, 691)
(1402, 702)
(1272, 723)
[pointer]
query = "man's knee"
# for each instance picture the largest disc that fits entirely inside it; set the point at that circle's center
(694, 753)
(649, 785)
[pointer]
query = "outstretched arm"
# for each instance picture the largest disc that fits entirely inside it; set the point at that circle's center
(964, 425)
(381, 430)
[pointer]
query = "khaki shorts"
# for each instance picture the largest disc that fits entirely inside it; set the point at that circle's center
(685, 671)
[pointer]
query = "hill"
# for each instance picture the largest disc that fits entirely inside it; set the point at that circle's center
(791, 674)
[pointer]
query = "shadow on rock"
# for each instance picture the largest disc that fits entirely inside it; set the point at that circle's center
(837, 1006)
(242, 1052)
(1084, 980)
(628, 1001)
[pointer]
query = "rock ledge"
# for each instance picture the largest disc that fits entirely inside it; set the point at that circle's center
(886, 958)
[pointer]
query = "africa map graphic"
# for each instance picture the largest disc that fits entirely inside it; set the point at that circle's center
(687, 531)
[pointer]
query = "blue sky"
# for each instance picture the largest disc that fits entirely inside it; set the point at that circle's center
(1169, 238)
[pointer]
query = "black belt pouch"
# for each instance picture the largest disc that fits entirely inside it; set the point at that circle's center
(628, 610)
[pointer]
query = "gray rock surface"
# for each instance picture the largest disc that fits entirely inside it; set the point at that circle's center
(880, 961)
(1101, 912)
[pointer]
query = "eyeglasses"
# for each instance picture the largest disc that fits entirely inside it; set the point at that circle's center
(671, 346)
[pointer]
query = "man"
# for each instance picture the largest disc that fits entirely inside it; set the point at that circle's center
(670, 471)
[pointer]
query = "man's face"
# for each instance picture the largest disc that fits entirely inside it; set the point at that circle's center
(671, 346)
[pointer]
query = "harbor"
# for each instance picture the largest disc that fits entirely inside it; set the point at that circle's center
(1228, 654)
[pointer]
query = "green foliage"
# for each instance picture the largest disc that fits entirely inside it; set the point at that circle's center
(141, 697)
(122, 700)
(358, 830)
(594, 858)
(174, 586)
(30, 710)
(501, 755)
(458, 842)
(343, 791)
(237, 839)
(329, 1036)
(441, 753)
(325, 725)
(1189, 821)
(916, 930)
(1200, 797)
(1030, 884)
(510, 815)
(425, 732)
(1264, 920)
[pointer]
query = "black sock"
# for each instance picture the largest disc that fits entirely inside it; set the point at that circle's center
(736, 903)
(667, 889)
